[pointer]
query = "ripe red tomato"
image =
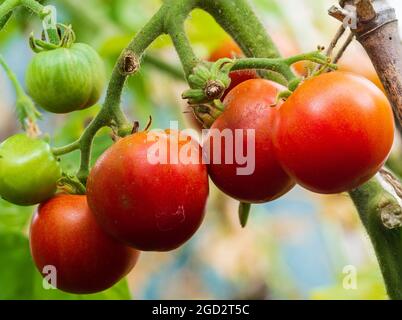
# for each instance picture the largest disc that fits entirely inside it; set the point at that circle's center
(150, 206)
(248, 106)
(65, 234)
(229, 49)
(334, 132)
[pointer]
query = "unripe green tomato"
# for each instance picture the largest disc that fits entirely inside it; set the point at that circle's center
(66, 79)
(28, 170)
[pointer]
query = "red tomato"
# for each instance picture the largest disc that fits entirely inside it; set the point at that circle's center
(65, 234)
(230, 49)
(248, 106)
(151, 207)
(334, 132)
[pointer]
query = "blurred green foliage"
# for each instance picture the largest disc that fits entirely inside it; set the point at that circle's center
(369, 287)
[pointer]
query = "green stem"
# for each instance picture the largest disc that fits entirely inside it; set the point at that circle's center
(111, 114)
(238, 19)
(66, 149)
(276, 65)
(33, 5)
(373, 203)
(25, 107)
(4, 19)
(11, 75)
(8, 6)
(280, 65)
(178, 12)
(315, 56)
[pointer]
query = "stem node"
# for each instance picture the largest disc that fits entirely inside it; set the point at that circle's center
(129, 64)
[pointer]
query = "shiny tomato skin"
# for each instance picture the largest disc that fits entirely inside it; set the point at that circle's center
(66, 79)
(65, 234)
(249, 106)
(334, 132)
(151, 207)
(229, 49)
(28, 170)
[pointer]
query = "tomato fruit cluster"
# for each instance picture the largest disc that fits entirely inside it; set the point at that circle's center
(148, 191)
(325, 137)
(132, 204)
(63, 80)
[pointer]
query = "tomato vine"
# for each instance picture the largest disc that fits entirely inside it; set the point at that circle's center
(371, 199)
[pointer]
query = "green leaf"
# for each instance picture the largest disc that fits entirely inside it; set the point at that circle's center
(13, 217)
(16, 269)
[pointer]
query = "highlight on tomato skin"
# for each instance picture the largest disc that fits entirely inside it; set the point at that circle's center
(149, 206)
(249, 107)
(66, 240)
(334, 132)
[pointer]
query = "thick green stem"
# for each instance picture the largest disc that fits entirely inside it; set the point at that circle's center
(33, 5)
(8, 6)
(111, 113)
(380, 211)
(174, 26)
(238, 19)
(4, 19)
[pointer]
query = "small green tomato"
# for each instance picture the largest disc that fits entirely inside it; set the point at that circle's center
(28, 170)
(66, 79)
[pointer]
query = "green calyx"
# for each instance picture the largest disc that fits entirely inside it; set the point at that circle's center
(66, 38)
(70, 184)
(208, 81)
(206, 114)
